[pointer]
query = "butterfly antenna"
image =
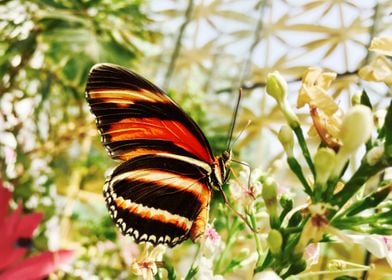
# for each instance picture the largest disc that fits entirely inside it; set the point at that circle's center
(240, 134)
(233, 120)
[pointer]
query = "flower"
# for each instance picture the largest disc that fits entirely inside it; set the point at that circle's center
(245, 189)
(325, 112)
(146, 265)
(312, 254)
(16, 230)
(316, 227)
(379, 245)
(380, 69)
(211, 245)
(355, 130)
(211, 242)
(267, 275)
(205, 269)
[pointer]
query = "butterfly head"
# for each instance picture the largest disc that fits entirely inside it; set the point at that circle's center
(221, 170)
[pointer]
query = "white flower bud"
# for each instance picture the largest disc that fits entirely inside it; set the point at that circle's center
(356, 128)
(285, 137)
(375, 154)
(324, 161)
(275, 241)
(276, 87)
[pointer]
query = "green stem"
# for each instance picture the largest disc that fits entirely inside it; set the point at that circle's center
(305, 151)
(297, 169)
(259, 248)
(229, 242)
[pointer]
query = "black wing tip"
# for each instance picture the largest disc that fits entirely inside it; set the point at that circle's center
(109, 75)
(105, 66)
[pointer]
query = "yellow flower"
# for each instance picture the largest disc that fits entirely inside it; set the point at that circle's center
(314, 91)
(316, 227)
(382, 45)
(324, 111)
(380, 69)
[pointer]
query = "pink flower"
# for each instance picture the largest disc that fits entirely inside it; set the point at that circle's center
(146, 264)
(16, 231)
(312, 254)
(211, 242)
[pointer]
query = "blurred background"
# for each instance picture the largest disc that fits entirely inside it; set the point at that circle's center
(201, 52)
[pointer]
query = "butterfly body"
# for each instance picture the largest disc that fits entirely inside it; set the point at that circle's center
(161, 191)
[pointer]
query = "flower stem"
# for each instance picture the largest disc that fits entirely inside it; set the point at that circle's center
(296, 168)
(305, 151)
(259, 249)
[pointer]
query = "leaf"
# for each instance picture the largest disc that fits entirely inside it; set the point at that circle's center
(346, 277)
(191, 273)
(365, 99)
(370, 201)
(387, 128)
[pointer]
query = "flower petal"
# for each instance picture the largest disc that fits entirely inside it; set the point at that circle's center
(382, 45)
(379, 70)
(28, 224)
(10, 255)
(38, 266)
(5, 196)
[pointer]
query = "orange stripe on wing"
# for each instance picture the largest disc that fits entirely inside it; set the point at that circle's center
(158, 129)
(121, 96)
(160, 215)
(176, 181)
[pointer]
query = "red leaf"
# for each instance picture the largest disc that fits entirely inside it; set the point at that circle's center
(38, 266)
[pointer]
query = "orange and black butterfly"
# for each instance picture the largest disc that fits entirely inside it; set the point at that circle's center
(161, 191)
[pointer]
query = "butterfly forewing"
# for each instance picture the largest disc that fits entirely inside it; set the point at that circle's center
(161, 191)
(133, 114)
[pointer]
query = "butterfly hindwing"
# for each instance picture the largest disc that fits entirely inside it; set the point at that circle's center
(158, 199)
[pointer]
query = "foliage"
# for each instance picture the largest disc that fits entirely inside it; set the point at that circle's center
(202, 52)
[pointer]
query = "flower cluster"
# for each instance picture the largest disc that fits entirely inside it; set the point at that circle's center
(333, 209)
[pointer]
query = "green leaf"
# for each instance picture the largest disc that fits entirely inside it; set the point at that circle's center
(369, 201)
(387, 129)
(171, 272)
(191, 273)
(365, 100)
(346, 277)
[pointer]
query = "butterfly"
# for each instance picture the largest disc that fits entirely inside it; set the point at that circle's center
(161, 191)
